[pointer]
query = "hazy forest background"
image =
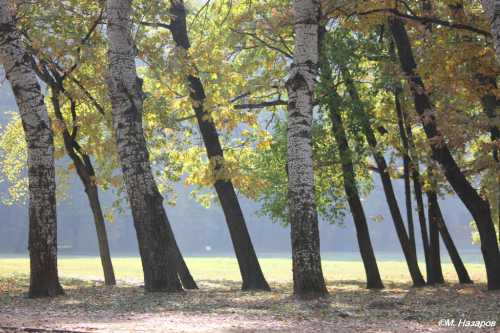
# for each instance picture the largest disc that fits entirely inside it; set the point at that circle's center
(197, 227)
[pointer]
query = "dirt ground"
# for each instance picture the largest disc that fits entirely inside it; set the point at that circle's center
(219, 306)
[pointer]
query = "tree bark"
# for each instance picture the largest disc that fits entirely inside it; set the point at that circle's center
(251, 273)
(86, 173)
(44, 280)
(409, 253)
(406, 167)
(307, 272)
(146, 202)
(102, 237)
(489, 104)
(182, 268)
(489, 100)
(373, 280)
(436, 274)
(477, 206)
(463, 275)
(411, 169)
(417, 186)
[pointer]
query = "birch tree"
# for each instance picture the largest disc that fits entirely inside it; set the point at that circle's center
(308, 277)
(44, 280)
(125, 91)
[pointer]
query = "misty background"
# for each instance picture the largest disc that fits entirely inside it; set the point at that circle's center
(203, 232)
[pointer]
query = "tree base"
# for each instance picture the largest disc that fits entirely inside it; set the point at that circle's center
(375, 286)
(262, 286)
(310, 295)
(42, 292)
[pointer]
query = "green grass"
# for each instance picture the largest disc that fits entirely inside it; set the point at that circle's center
(278, 270)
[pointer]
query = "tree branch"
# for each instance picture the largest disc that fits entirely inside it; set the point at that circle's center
(260, 105)
(426, 20)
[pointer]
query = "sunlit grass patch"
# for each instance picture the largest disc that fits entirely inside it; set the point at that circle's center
(276, 270)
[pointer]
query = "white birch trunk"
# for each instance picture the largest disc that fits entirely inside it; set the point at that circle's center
(307, 272)
(41, 173)
(125, 92)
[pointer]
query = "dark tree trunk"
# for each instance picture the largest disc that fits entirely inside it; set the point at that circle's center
(487, 84)
(417, 186)
(436, 275)
(411, 167)
(44, 279)
(406, 168)
(251, 273)
(411, 259)
(415, 176)
(477, 206)
(182, 269)
(85, 171)
(102, 237)
(146, 202)
(490, 103)
(463, 275)
(373, 280)
(409, 205)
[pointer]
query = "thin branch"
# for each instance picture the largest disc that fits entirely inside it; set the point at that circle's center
(156, 25)
(84, 41)
(263, 42)
(426, 20)
(178, 120)
(260, 105)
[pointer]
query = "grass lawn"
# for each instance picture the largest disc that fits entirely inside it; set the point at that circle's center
(278, 270)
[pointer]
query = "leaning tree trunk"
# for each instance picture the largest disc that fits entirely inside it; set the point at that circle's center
(251, 273)
(417, 186)
(85, 171)
(307, 272)
(434, 251)
(487, 81)
(477, 206)
(463, 275)
(102, 237)
(146, 202)
(409, 205)
(44, 280)
(434, 274)
(182, 268)
(489, 103)
(409, 253)
(406, 166)
(373, 280)
(411, 170)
